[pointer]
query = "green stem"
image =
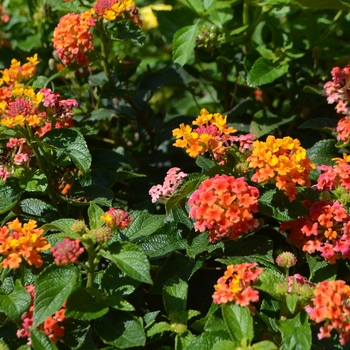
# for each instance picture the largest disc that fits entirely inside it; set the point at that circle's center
(245, 13)
(90, 269)
(104, 49)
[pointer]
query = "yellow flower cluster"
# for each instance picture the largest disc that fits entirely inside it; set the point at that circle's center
(149, 20)
(19, 241)
(110, 10)
(211, 135)
(282, 159)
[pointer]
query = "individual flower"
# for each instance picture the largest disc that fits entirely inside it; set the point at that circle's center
(51, 326)
(117, 9)
(286, 260)
(325, 230)
(211, 135)
(236, 286)
(117, 218)
(72, 37)
(22, 241)
(224, 206)
(334, 176)
(330, 306)
(171, 182)
(149, 20)
(283, 160)
(67, 251)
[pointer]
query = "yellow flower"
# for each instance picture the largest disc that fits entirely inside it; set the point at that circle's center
(149, 20)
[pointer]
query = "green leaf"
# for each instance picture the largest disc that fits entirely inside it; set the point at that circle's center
(184, 44)
(207, 340)
(209, 5)
(37, 207)
(41, 341)
(264, 72)
(296, 332)
(205, 163)
(265, 345)
(34, 181)
(322, 152)
(199, 243)
(225, 345)
(264, 122)
(15, 304)
(320, 270)
(30, 42)
(166, 240)
(238, 321)
(130, 259)
(319, 124)
(72, 143)
(159, 327)
(52, 288)
(122, 330)
(102, 113)
(292, 302)
(274, 203)
(83, 304)
(64, 226)
(268, 280)
(175, 297)
(143, 224)
(95, 213)
(194, 5)
(126, 30)
(41, 81)
(10, 193)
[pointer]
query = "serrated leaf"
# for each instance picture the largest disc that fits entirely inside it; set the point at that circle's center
(41, 341)
(268, 280)
(264, 345)
(42, 81)
(175, 297)
(184, 44)
(37, 207)
(130, 259)
(16, 303)
(159, 327)
(205, 163)
(238, 321)
(320, 270)
(34, 181)
(207, 340)
(122, 331)
(102, 113)
(322, 152)
(126, 30)
(72, 143)
(296, 332)
(318, 124)
(143, 224)
(52, 288)
(265, 72)
(10, 193)
(64, 226)
(84, 305)
(225, 345)
(95, 213)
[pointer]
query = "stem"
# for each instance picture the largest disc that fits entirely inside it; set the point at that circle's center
(245, 13)
(104, 50)
(90, 269)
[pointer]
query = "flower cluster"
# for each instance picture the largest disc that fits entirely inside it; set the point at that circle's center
(334, 176)
(4, 17)
(51, 327)
(149, 20)
(331, 306)
(236, 285)
(171, 182)
(72, 37)
(337, 91)
(283, 160)
(326, 230)
(211, 135)
(67, 251)
(117, 218)
(117, 9)
(18, 242)
(224, 206)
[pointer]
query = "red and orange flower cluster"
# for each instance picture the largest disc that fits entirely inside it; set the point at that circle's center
(331, 306)
(326, 230)
(283, 160)
(18, 242)
(236, 285)
(117, 218)
(51, 327)
(67, 251)
(117, 9)
(337, 91)
(224, 206)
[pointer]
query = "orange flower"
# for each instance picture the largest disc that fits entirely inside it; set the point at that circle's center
(19, 241)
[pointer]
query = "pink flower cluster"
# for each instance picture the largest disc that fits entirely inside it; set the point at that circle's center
(337, 91)
(224, 206)
(245, 142)
(117, 218)
(334, 176)
(326, 230)
(331, 306)
(67, 251)
(171, 182)
(236, 285)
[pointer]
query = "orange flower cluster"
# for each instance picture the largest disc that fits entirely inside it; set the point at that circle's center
(224, 205)
(331, 305)
(51, 326)
(117, 9)
(236, 285)
(334, 176)
(212, 135)
(18, 242)
(72, 38)
(326, 230)
(283, 160)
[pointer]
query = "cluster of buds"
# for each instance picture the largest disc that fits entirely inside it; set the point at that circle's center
(208, 37)
(172, 181)
(51, 326)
